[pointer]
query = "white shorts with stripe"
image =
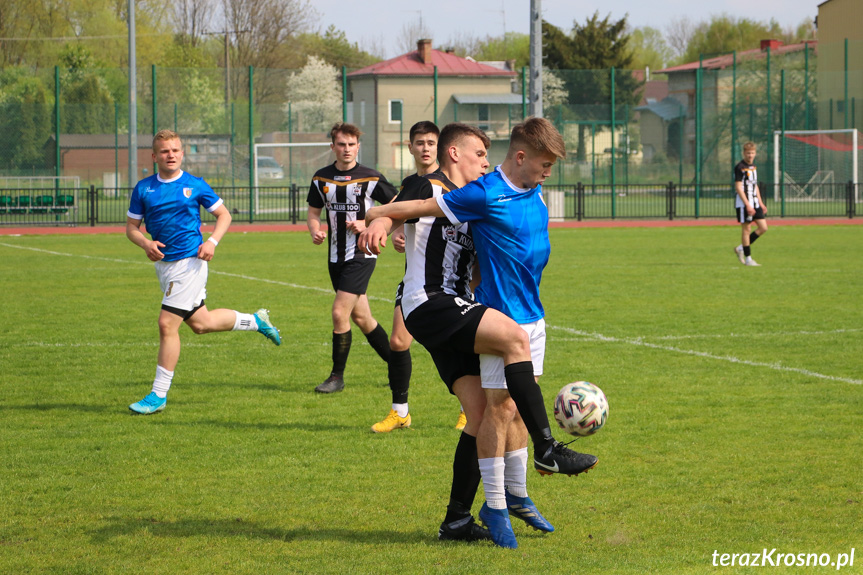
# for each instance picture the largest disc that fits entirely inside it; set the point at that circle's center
(183, 282)
(491, 366)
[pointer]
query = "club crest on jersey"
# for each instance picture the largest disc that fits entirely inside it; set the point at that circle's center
(187, 192)
(452, 234)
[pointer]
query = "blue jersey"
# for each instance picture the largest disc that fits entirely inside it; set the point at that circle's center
(171, 212)
(510, 232)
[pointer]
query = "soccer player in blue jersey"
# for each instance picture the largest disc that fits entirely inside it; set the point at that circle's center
(169, 203)
(509, 222)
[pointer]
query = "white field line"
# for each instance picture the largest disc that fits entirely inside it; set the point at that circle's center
(640, 342)
(583, 334)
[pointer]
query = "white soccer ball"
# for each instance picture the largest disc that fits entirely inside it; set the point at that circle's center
(580, 408)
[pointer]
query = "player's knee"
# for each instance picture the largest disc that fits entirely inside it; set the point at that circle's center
(400, 341)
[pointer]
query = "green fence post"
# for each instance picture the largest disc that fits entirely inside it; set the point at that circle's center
(769, 123)
(681, 146)
(806, 86)
(613, 151)
(734, 110)
(56, 125)
(252, 163)
(781, 182)
(523, 92)
(699, 85)
(845, 111)
(344, 93)
(435, 95)
(155, 117)
(116, 145)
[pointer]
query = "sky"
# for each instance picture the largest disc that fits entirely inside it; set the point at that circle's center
(377, 24)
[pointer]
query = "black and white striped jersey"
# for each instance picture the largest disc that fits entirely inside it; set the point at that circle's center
(747, 174)
(347, 196)
(440, 256)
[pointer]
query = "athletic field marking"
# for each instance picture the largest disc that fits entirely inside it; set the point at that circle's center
(640, 342)
(761, 334)
(587, 335)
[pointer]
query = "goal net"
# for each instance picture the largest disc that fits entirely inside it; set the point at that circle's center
(279, 165)
(816, 165)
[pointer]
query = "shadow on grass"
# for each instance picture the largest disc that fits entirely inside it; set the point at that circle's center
(238, 528)
(321, 427)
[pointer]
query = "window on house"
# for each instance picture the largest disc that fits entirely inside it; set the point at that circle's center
(396, 111)
(193, 148)
(483, 117)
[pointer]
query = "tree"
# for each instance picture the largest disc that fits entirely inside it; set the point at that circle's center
(334, 48)
(678, 33)
(725, 34)
(25, 119)
(649, 49)
(266, 31)
(410, 33)
(315, 93)
(592, 49)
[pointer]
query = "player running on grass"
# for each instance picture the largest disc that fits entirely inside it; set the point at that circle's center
(509, 224)
(169, 202)
(347, 189)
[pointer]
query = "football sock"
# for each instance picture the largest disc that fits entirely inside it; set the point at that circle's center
(162, 383)
(401, 409)
(515, 472)
(245, 322)
(746, 251)
(341, 349)
(752, 237)
(527, 396)
(380, 342)
(492, 469)
(399, 372)
(465, 479)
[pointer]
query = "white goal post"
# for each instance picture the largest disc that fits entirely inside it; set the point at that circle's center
(816, 165)
(308, 163)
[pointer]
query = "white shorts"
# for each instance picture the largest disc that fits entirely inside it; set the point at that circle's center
(184, 282)
(491, 366)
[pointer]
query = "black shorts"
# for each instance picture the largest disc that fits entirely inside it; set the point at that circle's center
(352, 276)
(399, 292)
(448, 331)
(744, 218)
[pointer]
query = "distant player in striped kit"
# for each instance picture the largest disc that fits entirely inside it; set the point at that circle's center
(749, 205)
(347, 190)
(169, 203)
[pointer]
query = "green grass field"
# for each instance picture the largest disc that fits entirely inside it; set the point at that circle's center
(736, 401)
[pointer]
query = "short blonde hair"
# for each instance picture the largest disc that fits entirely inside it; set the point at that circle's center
(164, 136)
(539, 135)
(749, 146)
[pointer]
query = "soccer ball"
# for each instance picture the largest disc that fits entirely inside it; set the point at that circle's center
(580, 408)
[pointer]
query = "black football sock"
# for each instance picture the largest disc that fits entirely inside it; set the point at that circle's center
(465, 479)
(380, 342)
(399, 371)
(527, 395)
(341, 349)
(747, 251)
(752, 237)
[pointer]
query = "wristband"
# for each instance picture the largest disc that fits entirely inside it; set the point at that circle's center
(215, 241)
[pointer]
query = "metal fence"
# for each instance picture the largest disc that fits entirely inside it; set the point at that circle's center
(100, 206)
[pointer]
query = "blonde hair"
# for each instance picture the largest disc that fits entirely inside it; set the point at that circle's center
(749, 146)
(164, 136)
(537, 134)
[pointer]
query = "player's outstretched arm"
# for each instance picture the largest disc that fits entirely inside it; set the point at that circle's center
(137, 237)
(374, 237)
(408, 210)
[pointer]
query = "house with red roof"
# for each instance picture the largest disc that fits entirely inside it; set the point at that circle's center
(387, 98)
(668, 126)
